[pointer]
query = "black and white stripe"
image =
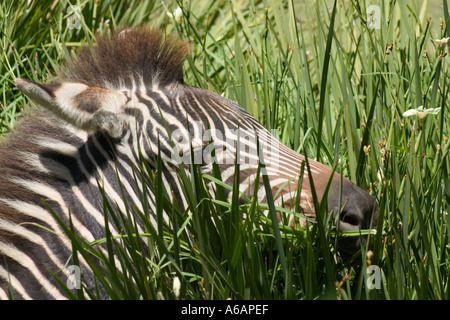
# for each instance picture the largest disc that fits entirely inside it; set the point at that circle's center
(91, 130)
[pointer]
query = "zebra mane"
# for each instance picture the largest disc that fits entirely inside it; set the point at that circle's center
(127, 58)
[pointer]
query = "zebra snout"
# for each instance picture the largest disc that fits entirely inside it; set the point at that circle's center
(358, 212)
(362, 214)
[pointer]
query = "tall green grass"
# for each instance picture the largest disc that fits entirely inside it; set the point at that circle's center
(332, 88)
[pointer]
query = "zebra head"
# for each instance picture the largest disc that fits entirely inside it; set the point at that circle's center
(131, 88)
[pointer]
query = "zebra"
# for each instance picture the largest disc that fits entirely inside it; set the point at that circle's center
(123, 96)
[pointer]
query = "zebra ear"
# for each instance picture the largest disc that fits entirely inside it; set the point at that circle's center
(88, 108)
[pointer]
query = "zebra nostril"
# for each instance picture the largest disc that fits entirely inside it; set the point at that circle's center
(351, 219)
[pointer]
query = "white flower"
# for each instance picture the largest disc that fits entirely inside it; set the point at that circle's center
(442, 42)
(420, 112)
(380, 176)
(176, 287)
(176, 15)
